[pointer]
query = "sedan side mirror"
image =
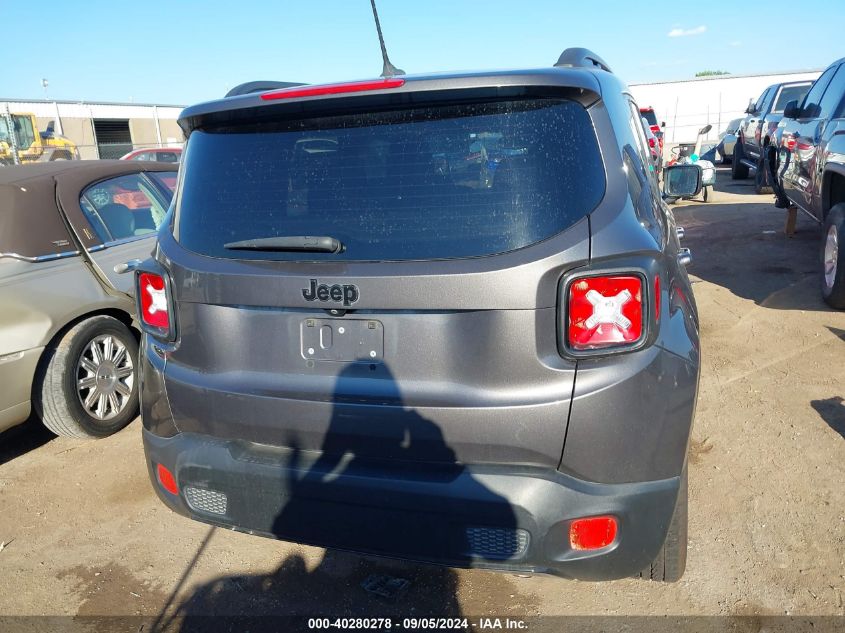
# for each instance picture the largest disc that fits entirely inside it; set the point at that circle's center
(791, 110)
(682, 181)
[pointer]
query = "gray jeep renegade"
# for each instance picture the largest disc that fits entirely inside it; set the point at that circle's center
(442, 318)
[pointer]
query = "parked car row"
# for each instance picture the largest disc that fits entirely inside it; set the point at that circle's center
(756, 132)
(806, 163)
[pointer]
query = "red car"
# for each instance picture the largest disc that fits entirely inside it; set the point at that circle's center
(649, 115)
(156, 154)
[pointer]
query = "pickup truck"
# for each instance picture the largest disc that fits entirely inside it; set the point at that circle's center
(758, 128)
(811, 170)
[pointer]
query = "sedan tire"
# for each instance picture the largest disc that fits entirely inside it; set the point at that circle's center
(87, 384)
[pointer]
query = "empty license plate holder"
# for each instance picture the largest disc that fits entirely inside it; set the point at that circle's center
(342, 340)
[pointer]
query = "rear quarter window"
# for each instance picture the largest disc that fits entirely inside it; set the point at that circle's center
(649, 116)
(423, 183)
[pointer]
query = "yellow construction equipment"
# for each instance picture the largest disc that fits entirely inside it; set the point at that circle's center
(22, 143)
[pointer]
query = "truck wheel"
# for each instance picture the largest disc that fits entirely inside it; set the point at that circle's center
(738, 170)
(760, 184)
(671, 562)
(87, 383)
(833, 264)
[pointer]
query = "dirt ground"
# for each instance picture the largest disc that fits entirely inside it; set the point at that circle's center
(84, 533)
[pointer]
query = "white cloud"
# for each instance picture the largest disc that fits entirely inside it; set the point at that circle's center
(679, 32)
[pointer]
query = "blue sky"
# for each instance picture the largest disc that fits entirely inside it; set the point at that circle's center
(185, 51)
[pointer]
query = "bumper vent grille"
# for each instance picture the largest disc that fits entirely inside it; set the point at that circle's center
(203, 500)
(497, 543)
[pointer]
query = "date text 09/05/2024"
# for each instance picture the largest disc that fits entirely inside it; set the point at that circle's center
(416, 624)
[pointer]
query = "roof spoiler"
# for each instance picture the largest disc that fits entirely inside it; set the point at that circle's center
(260, 86)
(581, 58)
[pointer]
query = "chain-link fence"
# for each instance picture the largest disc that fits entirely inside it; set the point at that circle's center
(32, 131)
(136, 151)
(151, 152)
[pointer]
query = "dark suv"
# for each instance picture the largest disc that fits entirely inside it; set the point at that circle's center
(758, 129)
(356, 340)
(811, 170)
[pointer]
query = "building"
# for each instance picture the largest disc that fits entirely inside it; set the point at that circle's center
(109, 130)
(105, 130)
(688, 105)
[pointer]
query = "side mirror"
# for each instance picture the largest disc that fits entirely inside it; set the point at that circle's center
(791, 110)
(705, 129)
(663, 124)
(682, 181)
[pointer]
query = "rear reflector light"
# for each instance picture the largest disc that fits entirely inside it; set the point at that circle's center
(654, 128)
(332, 89)
(592, 533)
(652, 142)
(153, 295)
(166, 479)
(657, 298)
(604, 312)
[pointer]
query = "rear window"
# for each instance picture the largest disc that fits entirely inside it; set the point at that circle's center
(424, 183)
(649, 116)
(167, 157)
(790, 93)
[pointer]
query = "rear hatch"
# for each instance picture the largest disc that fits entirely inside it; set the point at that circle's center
(429, 334)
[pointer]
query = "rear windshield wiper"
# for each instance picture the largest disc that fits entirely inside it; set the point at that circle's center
(289, 243)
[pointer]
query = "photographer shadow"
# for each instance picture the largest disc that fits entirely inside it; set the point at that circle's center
(347, 495)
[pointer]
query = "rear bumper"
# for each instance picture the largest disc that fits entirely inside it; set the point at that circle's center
(498, 517)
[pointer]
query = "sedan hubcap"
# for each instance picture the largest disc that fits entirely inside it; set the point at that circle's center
(831, 254)
(105, 376)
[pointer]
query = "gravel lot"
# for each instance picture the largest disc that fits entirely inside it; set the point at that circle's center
(86, 535)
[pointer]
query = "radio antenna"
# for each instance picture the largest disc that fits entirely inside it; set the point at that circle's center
(388, 70)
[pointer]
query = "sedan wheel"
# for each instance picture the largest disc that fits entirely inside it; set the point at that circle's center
(87, 384)
(105, 377)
